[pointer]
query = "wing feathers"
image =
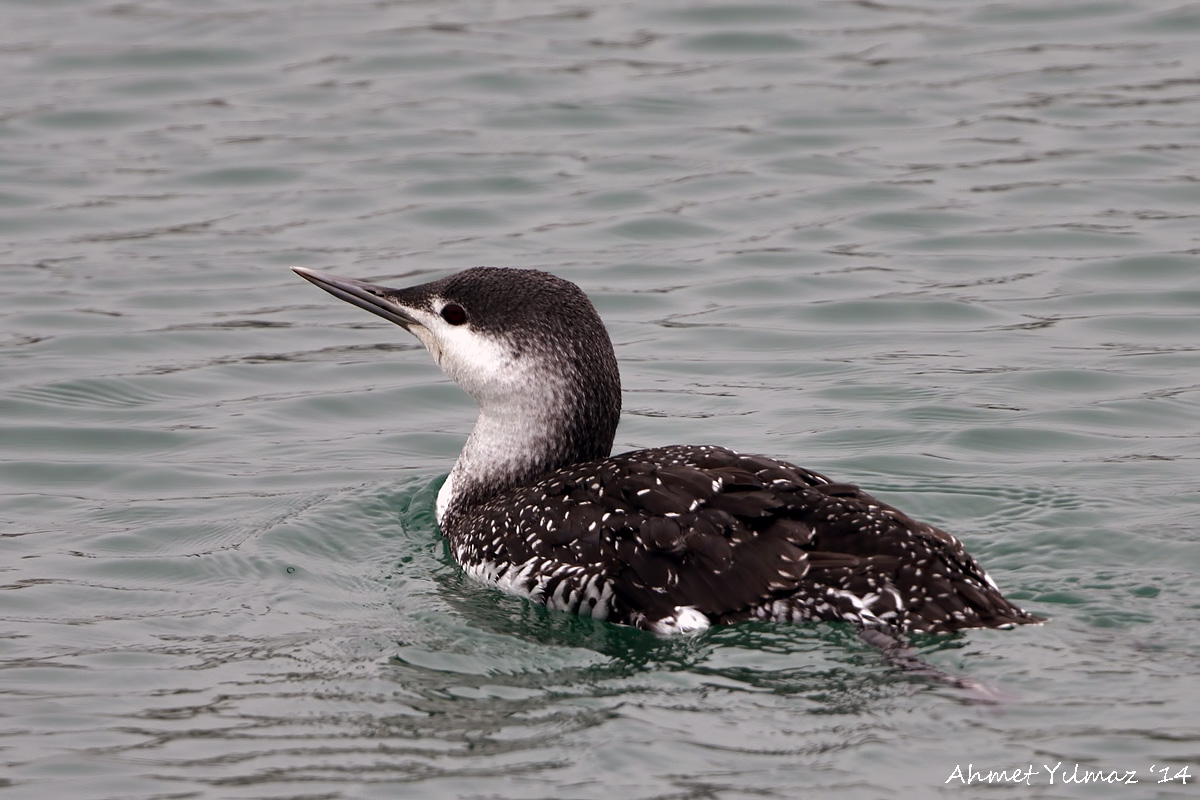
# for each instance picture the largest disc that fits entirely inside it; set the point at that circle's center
(738, 537)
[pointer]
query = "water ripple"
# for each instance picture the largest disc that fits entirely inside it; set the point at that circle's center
(947, 252)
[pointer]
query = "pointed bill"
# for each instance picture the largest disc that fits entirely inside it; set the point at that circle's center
(376, 299)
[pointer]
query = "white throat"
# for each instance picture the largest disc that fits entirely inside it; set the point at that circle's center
(507, 440)
(445, 495)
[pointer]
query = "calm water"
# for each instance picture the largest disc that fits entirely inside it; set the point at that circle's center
(947, 250)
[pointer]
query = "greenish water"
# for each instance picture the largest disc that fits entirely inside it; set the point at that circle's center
(946, 250)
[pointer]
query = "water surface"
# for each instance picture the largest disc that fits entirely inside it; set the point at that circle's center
(944, 250)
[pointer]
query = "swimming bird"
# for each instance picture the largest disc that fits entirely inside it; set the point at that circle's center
(671, 539)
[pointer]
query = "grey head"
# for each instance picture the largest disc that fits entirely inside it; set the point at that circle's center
(532, 351)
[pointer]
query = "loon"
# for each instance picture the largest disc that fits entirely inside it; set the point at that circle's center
(670, 539)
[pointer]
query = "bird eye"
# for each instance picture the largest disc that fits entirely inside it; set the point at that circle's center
(454, 314)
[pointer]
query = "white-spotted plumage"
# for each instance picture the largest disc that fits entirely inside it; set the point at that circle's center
(672, 539)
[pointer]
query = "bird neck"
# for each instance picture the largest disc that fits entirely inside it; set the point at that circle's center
(517, 442)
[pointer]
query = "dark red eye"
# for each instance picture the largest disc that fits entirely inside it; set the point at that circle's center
(454, 314)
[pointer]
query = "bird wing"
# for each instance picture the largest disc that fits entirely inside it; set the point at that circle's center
(729, 534)
(710, 529)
